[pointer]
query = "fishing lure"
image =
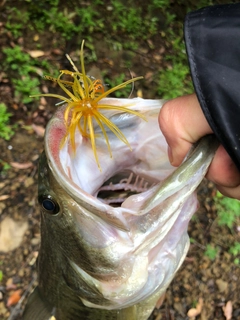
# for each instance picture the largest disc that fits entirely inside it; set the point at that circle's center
(84, 94)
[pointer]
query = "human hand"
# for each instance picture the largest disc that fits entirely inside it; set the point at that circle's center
(183, 123)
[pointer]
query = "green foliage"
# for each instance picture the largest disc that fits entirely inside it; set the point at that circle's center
(15, 57)
(1, 275)
(192, 240)
(123, 93)
(56, 17)
(128, 28)
(228, 210)
(130, 23)
(23, 69)
(235, 251)
(6, 131)
(162, 4)
(16, 21)
(4, 166)
(174, 81)
(136, 23)
(211, 252)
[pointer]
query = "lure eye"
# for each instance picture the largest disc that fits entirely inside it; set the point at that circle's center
(48, 204)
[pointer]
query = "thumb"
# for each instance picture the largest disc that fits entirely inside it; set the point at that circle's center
(182, 122)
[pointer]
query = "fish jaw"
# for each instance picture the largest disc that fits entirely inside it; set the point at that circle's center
(133, 251)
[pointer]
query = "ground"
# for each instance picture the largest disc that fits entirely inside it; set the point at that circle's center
(205, 284)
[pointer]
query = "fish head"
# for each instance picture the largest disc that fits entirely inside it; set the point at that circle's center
(115, 252)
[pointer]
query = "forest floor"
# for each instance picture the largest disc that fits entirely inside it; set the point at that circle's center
(209, 284)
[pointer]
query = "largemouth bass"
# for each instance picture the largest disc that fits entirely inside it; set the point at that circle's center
(114, 213)
(97, 261)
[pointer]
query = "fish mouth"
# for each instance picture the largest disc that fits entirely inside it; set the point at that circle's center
(124, 184)
(136, 169)
(144, 232)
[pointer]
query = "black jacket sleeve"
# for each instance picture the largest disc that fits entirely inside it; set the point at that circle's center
(212, 38)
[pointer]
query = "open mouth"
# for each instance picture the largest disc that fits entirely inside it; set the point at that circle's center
(118, 188)
(129, 170)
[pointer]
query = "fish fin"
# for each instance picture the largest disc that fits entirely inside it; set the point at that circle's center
(37, 308)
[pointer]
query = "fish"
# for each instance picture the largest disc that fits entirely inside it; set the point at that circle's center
(99, 261)
(114, 212)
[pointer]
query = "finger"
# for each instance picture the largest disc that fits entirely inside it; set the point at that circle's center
(182, 122)
(223, 171)
(230, 192)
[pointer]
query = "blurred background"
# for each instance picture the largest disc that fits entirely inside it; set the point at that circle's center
(123, 39)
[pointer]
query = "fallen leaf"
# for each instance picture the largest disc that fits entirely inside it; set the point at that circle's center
(43, 101)
(57, 51)
(11, 286)
(148, 75)
(11, 233)
(24, 165)
(14, 298)
(222, 285)
(9, 282)
(227, 309)
(199, 305)
(4, 197)
(193, 312)
(36, 53)
(39, 130)
(3, 308)
(36, 37)
(15, 106)
(28, 182)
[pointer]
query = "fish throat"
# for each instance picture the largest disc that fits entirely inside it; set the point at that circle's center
(122, 185)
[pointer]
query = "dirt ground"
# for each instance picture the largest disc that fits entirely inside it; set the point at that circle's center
(210, 285)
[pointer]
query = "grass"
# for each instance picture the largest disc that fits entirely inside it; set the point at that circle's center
(24, 73)
(211, 251)
(228, 210)
(6, 130)
(235, 251)
(228, 215)
(128, 28)
(124, 92)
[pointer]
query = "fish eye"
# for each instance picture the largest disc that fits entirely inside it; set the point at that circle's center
(48, 204)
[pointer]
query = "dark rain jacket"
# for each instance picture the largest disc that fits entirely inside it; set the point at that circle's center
(212, 38)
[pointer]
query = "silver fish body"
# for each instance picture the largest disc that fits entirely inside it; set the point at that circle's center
(97, 261)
